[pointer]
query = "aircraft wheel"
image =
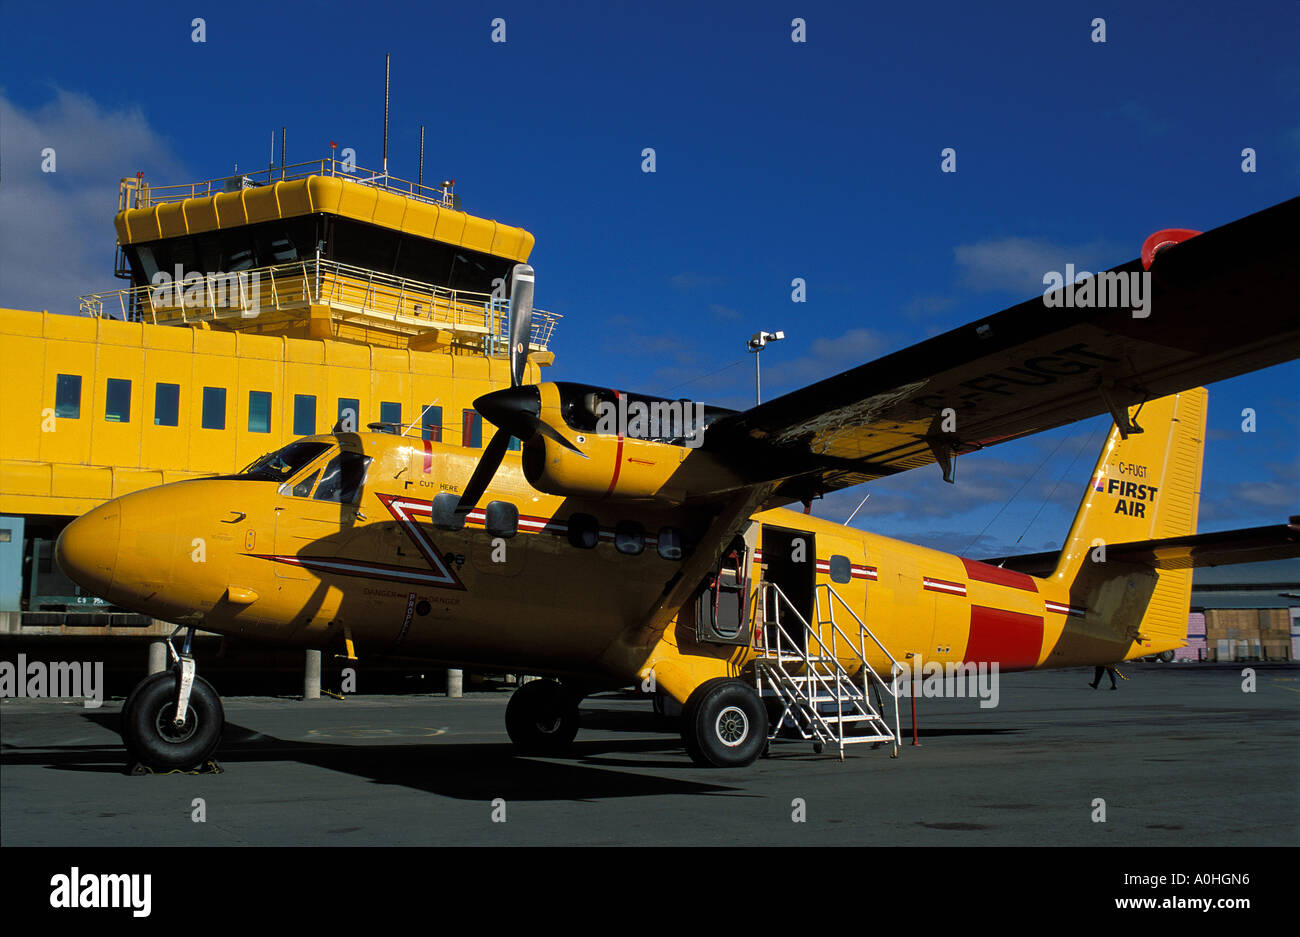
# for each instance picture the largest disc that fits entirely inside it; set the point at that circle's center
(724, 724)
(131, 699)
(542, 718)
(1166, 657)
(149, 732)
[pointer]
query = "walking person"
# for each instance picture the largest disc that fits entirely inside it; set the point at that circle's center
(1096, 676)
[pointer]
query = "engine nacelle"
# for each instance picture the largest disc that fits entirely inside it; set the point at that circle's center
(613, 467)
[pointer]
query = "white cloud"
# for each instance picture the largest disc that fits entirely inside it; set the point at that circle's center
(1017, 264)
(56, 241)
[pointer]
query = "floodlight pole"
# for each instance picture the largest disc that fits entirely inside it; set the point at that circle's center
(757, 342)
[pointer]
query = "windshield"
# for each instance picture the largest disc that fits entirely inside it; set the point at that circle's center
(281, 464)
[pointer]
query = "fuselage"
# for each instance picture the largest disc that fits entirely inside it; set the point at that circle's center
(346, 538)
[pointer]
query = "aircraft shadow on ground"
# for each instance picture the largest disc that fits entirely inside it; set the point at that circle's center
(465, 771)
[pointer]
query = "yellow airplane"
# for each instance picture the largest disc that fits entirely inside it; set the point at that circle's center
(641, 540)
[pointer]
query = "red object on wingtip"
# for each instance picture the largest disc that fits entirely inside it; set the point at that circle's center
(1162, 239)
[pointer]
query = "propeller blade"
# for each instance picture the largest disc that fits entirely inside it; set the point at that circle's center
(521, 321)
(483, 472)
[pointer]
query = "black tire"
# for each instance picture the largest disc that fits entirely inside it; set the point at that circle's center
(1165, 657)
(542, 718)
(147, 724)
(724, 724)
(130, 701)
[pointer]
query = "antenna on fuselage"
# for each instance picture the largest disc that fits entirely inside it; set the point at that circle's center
(857, 509)
(427, 408)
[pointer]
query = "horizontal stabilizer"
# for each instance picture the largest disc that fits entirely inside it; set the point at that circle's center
(1224, 548)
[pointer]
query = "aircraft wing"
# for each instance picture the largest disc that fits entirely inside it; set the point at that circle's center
(1220, 304)
(1222, 548)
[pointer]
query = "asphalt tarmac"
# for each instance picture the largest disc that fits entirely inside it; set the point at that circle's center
(1179, 754)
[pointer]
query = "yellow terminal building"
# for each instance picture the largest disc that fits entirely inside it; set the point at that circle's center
(261, 308)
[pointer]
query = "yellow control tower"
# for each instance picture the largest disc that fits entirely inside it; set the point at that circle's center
(261, 307)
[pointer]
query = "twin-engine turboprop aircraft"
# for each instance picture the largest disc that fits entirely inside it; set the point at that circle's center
(603, 556)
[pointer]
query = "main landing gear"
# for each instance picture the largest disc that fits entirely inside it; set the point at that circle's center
(542, 717)
(724, 724)
(173, 720)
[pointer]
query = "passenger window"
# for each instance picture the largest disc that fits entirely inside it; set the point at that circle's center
(584, 531)
(502, 519)
(841, 570)
(342, 478)
(629, 537)
(303, 488)
(67, 397)
(670, 543)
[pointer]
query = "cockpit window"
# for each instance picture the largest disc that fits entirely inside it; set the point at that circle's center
(304, 487)
(343, 477)
(283, 463)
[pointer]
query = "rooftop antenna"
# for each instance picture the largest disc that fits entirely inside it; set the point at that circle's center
(283, 136)
(420, 178)
(386, 57)
(270, 163)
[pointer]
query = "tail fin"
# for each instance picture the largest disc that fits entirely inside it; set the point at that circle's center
(1145, 487)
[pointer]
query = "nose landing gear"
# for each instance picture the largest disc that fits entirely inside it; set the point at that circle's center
(172, 720)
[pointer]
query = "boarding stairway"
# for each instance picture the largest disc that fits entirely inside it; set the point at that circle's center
(822, 684)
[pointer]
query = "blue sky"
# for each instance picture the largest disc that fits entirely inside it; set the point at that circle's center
(774, 160)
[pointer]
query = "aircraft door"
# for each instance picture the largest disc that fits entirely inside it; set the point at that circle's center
(318, 512)
(722, 604)
(790, 561)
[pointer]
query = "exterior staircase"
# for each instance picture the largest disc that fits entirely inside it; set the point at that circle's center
(816, 678)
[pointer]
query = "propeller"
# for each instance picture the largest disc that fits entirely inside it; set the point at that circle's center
(516, 410)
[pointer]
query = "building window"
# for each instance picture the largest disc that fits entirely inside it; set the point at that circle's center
(349, 414)
(117, 408)
(471, 433)
(214, 408)
(431, 423)
(841, 569)
(166, 404)
(67, 396)
(259, 411)
(390, 412)
(304, 414)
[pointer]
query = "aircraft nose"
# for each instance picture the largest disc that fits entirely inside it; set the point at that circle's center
(86, 551)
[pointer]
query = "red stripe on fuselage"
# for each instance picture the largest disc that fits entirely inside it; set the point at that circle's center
(983, 572)
(1012, 640)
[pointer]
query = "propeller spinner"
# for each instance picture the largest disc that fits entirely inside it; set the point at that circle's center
(515, 411)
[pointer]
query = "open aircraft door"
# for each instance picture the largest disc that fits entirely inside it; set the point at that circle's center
(790, 562)
(722, 606)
